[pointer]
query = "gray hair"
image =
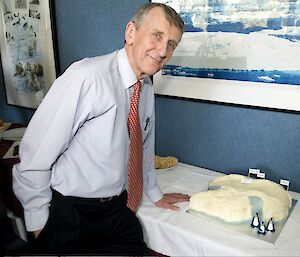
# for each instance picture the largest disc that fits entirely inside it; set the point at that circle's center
(170, 14)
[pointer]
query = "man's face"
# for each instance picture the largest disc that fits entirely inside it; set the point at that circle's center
(151, 45)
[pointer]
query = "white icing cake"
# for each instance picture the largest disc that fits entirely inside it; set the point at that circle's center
(236, 198)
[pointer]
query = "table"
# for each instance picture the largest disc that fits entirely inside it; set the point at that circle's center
(178, 233)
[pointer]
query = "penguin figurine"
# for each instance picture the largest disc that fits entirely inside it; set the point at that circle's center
(255, 221)
(270, 226)
(261, 230)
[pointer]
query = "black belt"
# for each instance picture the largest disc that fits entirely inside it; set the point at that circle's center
(106, 199)
(94, 200)
(110, 198)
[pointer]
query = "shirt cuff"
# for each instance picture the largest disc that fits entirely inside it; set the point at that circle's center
(36, 220)
(155, 194)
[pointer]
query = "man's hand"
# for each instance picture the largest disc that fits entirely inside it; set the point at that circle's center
(36, 233)
(168, 200)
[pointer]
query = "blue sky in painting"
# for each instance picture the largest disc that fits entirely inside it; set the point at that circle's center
(244, 40)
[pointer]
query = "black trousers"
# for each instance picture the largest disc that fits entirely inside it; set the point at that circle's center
(87, 226)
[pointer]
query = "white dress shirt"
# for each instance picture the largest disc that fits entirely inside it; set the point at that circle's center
(77, 142)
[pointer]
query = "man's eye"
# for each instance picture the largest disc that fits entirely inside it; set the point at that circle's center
(172, 45)
(157, 36)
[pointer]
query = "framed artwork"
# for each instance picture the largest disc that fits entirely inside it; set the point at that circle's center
(234, 51)
(27, 51)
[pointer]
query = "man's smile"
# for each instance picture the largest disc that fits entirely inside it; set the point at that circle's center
(157, 60)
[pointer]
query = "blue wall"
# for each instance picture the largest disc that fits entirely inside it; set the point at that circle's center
(230, 139)
(219, 137)
(91, 27)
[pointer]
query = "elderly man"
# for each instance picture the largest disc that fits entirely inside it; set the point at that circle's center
(88, 153)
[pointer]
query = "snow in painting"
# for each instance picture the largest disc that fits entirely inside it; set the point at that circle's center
(246, 40)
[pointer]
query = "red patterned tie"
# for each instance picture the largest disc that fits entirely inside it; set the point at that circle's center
(135, 164)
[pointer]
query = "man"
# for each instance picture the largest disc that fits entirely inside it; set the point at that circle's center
(72, 178)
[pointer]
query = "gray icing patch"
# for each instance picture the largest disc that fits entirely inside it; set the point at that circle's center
(256, 206)
(213, 187)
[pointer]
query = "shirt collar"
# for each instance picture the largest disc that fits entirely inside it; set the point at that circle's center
(127, 75)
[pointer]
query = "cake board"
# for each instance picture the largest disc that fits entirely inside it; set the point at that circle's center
(245, 227)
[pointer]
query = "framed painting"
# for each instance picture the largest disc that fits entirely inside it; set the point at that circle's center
(27, 51)
(238, 52)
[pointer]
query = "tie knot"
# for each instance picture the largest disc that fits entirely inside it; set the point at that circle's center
(137, 86)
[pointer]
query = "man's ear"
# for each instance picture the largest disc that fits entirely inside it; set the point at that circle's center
(129, 32)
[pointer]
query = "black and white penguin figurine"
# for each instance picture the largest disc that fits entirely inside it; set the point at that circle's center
(261, 230)
(270, 226)
(255, 221)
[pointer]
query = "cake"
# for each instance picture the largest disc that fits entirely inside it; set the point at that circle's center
(235, 198)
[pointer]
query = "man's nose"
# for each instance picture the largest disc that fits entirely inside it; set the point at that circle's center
(163, 49)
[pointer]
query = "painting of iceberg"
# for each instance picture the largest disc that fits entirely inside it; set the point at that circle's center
(244, 40)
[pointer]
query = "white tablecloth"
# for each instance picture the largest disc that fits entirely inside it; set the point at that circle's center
(177, 233)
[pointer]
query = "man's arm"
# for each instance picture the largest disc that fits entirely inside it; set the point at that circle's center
(46, 138)
(150, 183)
